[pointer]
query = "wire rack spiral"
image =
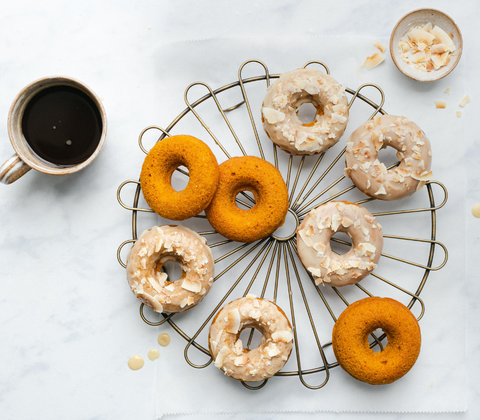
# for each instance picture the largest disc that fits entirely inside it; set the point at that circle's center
(271, 266)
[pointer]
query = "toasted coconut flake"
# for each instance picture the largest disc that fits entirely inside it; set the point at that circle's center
(282, 336)
(316, 272)
(440, 104)
(320, 248)
(233, 324)
(306, 238)
(459, 113)
(442, 37)
(272, 115)
(380, 46)
(373, 61)
(219, 360)
(465, 100)
(192, 286)
(424, 176)
(418, 35)
(170, 287)
(365, 248)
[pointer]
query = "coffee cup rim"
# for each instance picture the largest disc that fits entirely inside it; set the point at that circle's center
(19, 102)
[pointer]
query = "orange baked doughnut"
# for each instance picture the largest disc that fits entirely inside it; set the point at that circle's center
(350, 340)
(155, 178)
(248, 173)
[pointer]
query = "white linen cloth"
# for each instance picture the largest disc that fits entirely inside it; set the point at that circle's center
(437, 383)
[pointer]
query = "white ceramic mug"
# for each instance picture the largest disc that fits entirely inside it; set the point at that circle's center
(25, 159)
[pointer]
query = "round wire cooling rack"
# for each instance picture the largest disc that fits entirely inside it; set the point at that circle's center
(276, 257)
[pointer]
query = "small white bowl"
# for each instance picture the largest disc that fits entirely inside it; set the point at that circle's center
(417, 18)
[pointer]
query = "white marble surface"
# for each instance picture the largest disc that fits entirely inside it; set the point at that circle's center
(67, 320)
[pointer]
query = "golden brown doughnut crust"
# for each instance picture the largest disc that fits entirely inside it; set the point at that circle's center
(248, 173)
(350, 340)
(155, 178)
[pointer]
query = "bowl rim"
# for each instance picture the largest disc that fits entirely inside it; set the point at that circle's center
(460, 40)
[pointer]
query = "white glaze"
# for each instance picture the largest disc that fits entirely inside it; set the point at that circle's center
(370, 175)
(227, 349)
(284, 97)
(170, 243)
(313, 243)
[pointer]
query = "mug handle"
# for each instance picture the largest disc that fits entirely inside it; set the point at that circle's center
(13, 169)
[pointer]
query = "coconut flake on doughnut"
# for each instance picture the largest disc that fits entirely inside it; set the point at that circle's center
(287, 94)
(370, 175)
(226, 346)
(170, 243)
(315, 253)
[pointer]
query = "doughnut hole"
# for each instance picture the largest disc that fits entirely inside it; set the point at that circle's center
(307, 113)
(171, 265)
(388, 156)
(179, 181)
(256, 338)
(240, 198)
(339, 248)
(373, 343)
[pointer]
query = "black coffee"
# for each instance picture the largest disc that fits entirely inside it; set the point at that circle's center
(62, 125)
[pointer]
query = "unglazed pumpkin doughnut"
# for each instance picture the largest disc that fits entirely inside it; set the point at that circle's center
(370, 175)
(350, 340)
(226, 347)
(155, 178)
(152, 250)
(248, 173)
(287, 94)
(313, 243)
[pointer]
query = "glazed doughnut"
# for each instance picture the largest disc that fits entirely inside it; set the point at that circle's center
(287, 94)
(226, 347)
(248, 173)
(313, 243)
(155, 178)
(370, 175)
(350, 340)
(152, 250)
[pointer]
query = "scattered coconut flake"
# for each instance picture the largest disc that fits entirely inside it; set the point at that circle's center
(272, 115)
(365, 248)
(192, 286)
(373, 61)
(233, 324)
(316, 272)
(447, 91)
(170, 287)
(320, 248)
(424, 176)
(381, 190)
(440, 104)
(305, 237)
(224, 352)
(282, 336)
(380, 46)
(459, 113)
(464, 101)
